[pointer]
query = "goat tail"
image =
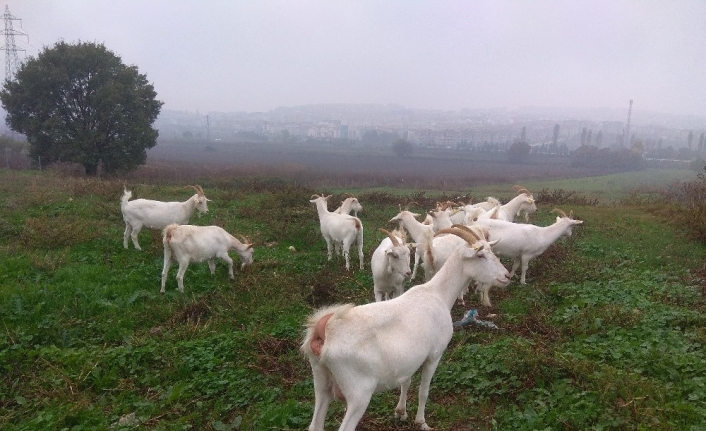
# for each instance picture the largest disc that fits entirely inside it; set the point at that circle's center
(127, 194)
(168, 232)
(315, 328)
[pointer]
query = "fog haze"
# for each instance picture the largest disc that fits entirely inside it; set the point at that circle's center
(449, 55)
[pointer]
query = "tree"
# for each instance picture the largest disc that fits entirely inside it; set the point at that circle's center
(518, 152)
(402, 148)
(555, 136)
(79, 103)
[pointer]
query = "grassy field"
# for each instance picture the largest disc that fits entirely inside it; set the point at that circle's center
(606, 189)
(608, 333)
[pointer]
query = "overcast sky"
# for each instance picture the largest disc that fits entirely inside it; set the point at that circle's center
(255, 55)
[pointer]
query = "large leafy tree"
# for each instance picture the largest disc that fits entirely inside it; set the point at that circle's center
(80, 103)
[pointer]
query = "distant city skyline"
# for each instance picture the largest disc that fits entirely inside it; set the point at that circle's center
(221, 56)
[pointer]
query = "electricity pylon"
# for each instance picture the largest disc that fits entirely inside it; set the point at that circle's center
(12, 62)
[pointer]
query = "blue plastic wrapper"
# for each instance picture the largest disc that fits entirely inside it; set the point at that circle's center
(471, 316)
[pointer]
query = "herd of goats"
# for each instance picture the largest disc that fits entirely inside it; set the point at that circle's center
(355, 351)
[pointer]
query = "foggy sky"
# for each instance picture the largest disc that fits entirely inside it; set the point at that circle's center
(256, 55)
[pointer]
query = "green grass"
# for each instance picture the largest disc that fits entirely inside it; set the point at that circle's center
(606, 188)
(608, 333)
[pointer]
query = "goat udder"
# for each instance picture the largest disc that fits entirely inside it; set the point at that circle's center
(317, 341)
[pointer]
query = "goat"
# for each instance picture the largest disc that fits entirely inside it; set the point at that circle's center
(348, 205)
(422, 234)
(441, 216)
(356, 351)
(343, 228)
(524, 201)
(470, 211)
(489, 203)
(442, 247)
(157, 214)
(524, 242)
(187, 243)
(390, 266)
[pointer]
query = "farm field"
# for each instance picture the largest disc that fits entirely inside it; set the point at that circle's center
(605, 189)
(607, 334)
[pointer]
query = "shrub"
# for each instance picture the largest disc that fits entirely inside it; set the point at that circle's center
(690, 200)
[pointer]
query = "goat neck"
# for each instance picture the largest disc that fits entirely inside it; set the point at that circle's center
(463, 266)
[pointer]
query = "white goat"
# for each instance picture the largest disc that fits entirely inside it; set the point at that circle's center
(390, 266)
(339, 227)
(348, 205)
(422, 234)
(442, 246)
(189, 244)
(470, 211)
(356, 351)
(524, 201)
(157, 214)
(441, 216)
(524, 242)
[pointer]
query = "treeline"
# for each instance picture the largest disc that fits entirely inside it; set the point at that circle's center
(590, 156)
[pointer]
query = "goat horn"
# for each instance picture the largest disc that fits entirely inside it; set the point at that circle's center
(571, 214)
(393, 238)
(200, 192)
(469, 230)
(525, 191)
(443, 206)
(471, 238)
(560, 212)
(349, 195)
(406, 208)
(314, 197)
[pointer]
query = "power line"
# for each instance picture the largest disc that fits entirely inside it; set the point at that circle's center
(12, 62)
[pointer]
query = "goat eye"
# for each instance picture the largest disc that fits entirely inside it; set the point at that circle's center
(480, 255)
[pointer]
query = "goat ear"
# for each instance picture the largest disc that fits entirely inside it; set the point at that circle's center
(492, 243)
(469, 251)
